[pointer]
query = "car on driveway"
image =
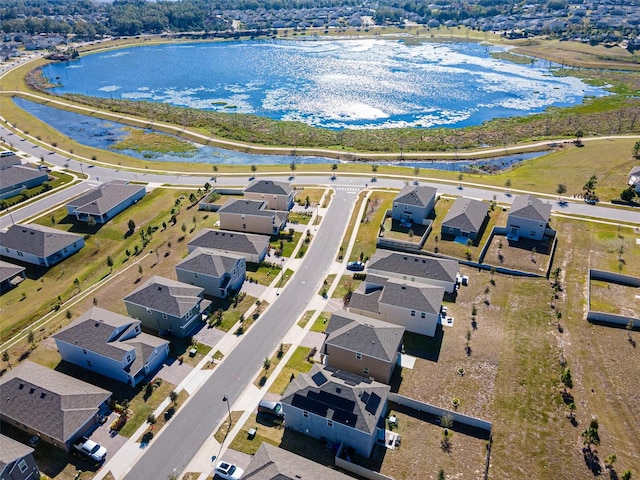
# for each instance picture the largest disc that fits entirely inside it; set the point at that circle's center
(355, 266)
(228, 471)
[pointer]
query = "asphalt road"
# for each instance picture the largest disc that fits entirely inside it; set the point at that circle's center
(181, 439)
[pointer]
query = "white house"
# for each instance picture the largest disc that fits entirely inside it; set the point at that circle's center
(634, 178)
(220, 274)
(414, 204)
(278, 195)
(528, 218)
(251, 216)
(111, 345)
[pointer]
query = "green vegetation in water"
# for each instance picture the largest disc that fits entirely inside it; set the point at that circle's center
(149, 141)
(219, 103)
(512, 57)
(231, 106)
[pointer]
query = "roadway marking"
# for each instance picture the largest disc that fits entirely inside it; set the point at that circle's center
(348, 189)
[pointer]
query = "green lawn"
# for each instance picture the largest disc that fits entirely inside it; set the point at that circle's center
(232, 314)
(285, 243)
(305, 318)
(365, 244)
(263, 273)
(297, 363)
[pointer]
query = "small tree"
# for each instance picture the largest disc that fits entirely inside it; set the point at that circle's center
(636, 149)
(131, 225)
(266, 364)
(590, 435)
(6, 359)
(579, 136)
(110, 263)
(626, 475)
(561, 189)
(441, 475)
(507, 184)
(173, 396)
(566, 378)
(254, 168)
(151, 419)
(292, 167)
(416, 172)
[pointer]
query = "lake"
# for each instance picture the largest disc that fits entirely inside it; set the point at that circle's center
(358, 83)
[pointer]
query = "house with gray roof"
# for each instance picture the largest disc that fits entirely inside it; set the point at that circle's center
(251, 216)
(634, 178)
(528, 218)
(466, 218)
(10, 275)
(414, 306)
(414, 204)
(39, 245)
(278, 195)
(274, 463)
(112, 345)
(168, 306)
(253, 247)
(9, 159)
(56, 407)
(17, 178)
(415, 268)
(220, 274)
(105, 201)
(337, 406)
(16, 460)
(362, 345)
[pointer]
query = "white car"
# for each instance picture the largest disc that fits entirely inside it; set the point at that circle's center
(228, 471)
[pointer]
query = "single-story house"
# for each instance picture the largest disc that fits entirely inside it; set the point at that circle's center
(253, 247)
(528, 218)
(634, 178)
(274, 463)
(362, 345)
(337, 406)
(415, 268)
(466, 218)
(39, 245)
(17, 178)
(54, 406)
(251, 216)
(105, 201)
(168, 306)
(414, 204)
(219, 273)
(278, 195)
(414, 306)
(10, 275)
(112, 345)
(16, 461)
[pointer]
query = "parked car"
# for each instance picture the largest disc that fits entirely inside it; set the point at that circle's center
(228, 471)
(271, 409)
(355, 266)
(91, 449)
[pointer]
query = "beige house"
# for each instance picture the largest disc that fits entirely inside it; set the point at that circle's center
(251, 216)
(362, 345)
(278, 195)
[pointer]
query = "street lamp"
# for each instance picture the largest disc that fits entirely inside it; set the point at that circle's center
(81, 169)
(226, 399)
(281, 276)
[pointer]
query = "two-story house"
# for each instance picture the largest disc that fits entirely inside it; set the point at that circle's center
(528, 218)
(251, 216)
(414, 204)
(39, 245)
(634, 178)
(415, 268)
(337, 406)
(16, 461)
(54, 406)
(220, 274)
(414, 306)
(112, 345)
(466, 218)
(105, 201)
(278, 195)
(362, 345)
(168, 306)
(252, 247)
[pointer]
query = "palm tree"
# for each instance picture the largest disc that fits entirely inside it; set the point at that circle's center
(562, 188)
(292, 167)
(416, 172)
(507, 184)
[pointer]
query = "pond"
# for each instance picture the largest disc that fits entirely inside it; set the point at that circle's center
(357, 83)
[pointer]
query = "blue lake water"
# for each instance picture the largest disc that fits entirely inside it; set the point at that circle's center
(359, 83)
(104, 134)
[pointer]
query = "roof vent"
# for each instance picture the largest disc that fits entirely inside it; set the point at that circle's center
(338, 390)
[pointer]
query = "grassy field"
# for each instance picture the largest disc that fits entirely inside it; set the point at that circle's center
(377, 205)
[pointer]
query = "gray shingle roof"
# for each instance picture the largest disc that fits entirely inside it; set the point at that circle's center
(167, 296)
(419, 196)
(373, 338)
(209, 262)
(37, 239)
(634, 176)
(240, 206)
(9, 161)
(531, 208)
(269, 187)
(226, 240)
(420, 266)
(273, 463)
(48, 401)
(144, 344)
(96, 331)
(411, 295)
(466, 214)
(340, 398)
(18, 174)
(9, 270)
(11, 450)
(104, 197)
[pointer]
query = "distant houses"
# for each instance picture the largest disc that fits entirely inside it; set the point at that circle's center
(56, 407)
(39, 245)
(111, 345)
(528, 218)
(414, 204)
(168, 306)
(105, 201)
(220, 274)
(253, 247)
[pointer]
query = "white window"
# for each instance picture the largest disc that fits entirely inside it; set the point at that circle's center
(329, 423)
(359, 355)
(22, 465)
(365, 370)
(423, 315)
(305, 414)
(413, 313)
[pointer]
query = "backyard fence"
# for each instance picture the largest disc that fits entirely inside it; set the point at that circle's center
(612, 318)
